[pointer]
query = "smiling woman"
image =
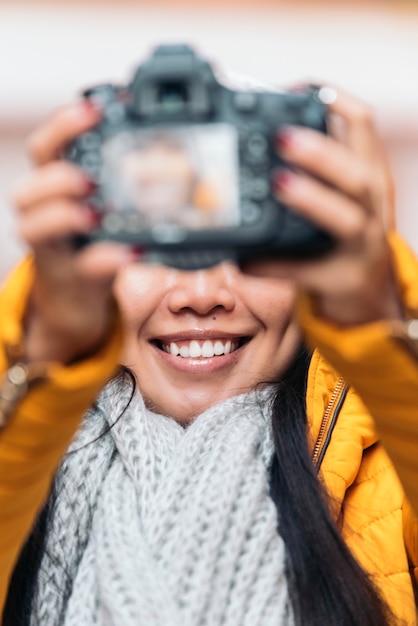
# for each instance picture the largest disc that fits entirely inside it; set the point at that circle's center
(229, 472)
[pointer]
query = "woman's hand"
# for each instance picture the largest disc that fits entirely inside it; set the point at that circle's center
(344, 186)
(71, 306)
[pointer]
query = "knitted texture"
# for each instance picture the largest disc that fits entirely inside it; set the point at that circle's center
(161, 525)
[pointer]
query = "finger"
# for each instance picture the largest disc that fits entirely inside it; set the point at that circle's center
(101, 261)
(55, 219)
(327, 159)
(362, 137)
(46, 143)
(330, 210)
(359, 127)
(56, 179)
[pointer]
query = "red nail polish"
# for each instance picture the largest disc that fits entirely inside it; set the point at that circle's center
(284, 139)
(93, 216)
(137, 250)
(282, 179)
(137, 253)
(91, 105)
(90, 184)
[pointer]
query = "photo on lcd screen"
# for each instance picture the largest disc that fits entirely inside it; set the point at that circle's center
(183, 175)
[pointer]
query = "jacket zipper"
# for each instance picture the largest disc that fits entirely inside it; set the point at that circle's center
(328, 421)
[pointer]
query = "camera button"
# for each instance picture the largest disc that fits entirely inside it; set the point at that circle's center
(90, 160)
(89, 141)
(250, 213)
(256, 148)
(115, 113)
(259, 189)
(134, 222)
(113, 223)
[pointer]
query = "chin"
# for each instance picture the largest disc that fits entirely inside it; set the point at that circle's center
(185, 410)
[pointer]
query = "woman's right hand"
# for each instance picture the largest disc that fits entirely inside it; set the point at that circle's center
(71, 307)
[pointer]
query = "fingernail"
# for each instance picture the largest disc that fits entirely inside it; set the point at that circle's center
(284, 139)
(89, 183)
(93, 216)
(137, 251)
(134, 254)
(282, 179)
(91, 105)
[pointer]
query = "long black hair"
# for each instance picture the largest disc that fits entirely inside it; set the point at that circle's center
(326, 584)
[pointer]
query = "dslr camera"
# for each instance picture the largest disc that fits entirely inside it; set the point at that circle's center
(184, 165)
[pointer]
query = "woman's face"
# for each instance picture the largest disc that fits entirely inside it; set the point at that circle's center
(197, 338)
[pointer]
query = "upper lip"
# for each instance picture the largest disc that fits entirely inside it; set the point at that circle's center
(200, 335)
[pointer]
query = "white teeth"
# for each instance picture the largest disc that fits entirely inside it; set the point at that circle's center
(173, 349)
(208, 349)
(185, 352)
(195, 350)
(218, 348)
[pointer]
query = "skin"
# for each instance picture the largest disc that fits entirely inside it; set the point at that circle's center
(343, 185)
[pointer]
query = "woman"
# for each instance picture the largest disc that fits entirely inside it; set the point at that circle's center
(198, 501)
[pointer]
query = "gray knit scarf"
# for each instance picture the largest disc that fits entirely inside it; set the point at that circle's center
(160, 525)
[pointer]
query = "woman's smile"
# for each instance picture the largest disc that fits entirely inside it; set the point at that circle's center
(200, 353)
(206, 349)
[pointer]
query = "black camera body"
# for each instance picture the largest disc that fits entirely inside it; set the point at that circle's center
(184, 165)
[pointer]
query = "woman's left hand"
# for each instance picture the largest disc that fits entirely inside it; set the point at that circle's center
(344, 186)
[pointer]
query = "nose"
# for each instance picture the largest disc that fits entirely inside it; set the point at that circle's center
(203, 291)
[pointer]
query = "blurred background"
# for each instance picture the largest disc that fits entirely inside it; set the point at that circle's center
(50, 50)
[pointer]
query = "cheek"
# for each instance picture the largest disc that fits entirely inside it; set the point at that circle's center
(282, 332)
(136, 294)
(274, 302)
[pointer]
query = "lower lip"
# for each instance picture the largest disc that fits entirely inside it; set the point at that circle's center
(202, 365)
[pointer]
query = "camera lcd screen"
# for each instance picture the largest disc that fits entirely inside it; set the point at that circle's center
(187, 176)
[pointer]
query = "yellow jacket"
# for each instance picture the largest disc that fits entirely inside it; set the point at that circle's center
(369, 502)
